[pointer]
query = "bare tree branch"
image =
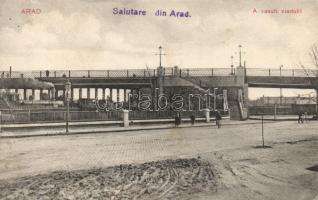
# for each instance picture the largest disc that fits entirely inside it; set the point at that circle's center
(313, 53)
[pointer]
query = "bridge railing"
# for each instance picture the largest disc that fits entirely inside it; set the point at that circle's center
(206, 71)
(194, 72)
(282, 72)
(81, 73)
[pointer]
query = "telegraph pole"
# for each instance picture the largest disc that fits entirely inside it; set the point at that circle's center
(67, 98)
(240, 54)
(232, 66)
(160, 54)
(280, 89)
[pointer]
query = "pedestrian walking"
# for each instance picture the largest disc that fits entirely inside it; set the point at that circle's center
(177, 120)
(300, 117)
(218, 118)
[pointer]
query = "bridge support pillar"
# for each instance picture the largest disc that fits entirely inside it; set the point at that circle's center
(207, 115)
(41, 93)
(56, 93)
(33, 94)
(104, 93)
(117, 93)
(111, 94)
(64, 94)
(72, 94)
(49, 92)
(96, 93)
(126, 118)
(88, 93)
(24, 94)
(80, 93)
(125, 95)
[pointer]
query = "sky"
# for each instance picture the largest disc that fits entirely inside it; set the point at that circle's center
(85, 34)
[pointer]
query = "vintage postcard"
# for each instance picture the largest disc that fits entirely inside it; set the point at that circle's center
(149, 99)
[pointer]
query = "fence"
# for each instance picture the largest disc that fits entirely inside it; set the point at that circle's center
(132, 73)
(14, 117)
(291, 109)
(167, 114)
(57, 116)
(281, 72)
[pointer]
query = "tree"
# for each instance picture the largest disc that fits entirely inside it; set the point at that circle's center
(313, 53)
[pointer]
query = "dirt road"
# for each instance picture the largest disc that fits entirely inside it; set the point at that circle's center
(244, 171)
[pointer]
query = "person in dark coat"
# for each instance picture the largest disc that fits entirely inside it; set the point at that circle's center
(192, 118)
(300, 117)
(218, 118)
(177, 120)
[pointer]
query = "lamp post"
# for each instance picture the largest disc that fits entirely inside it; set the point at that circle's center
(67, 98)
(280, 89)
(232, 66)
(240, 54)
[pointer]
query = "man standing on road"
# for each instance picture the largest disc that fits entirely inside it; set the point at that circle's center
(300, 117)
(177, 120)
(192, 118)
(218, 118)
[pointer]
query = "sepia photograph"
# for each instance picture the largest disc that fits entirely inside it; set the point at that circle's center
(159, 99)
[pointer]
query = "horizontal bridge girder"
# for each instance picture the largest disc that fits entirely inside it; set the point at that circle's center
(280, 85)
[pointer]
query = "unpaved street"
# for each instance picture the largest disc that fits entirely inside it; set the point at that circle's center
(244, 171)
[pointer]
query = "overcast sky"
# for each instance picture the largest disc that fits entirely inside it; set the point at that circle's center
(84, 34)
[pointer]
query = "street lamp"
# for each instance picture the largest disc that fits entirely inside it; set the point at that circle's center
(232, 66)
(280, 89)
(240, 53)
(67, 98)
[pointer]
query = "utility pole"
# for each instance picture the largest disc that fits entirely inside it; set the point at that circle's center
(160, 72)
(67, 98)
(160, 54)
(232, 66)
(263, 141)
(280, 89)
(240, 53)
(214, 98)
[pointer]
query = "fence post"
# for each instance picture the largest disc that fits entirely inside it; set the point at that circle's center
(207, 115)
(269, 72)
(126, 118)
(212, 71)
(263, 131)
(127, 73)
(29, 115)
(108, 73)
(275, 111)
